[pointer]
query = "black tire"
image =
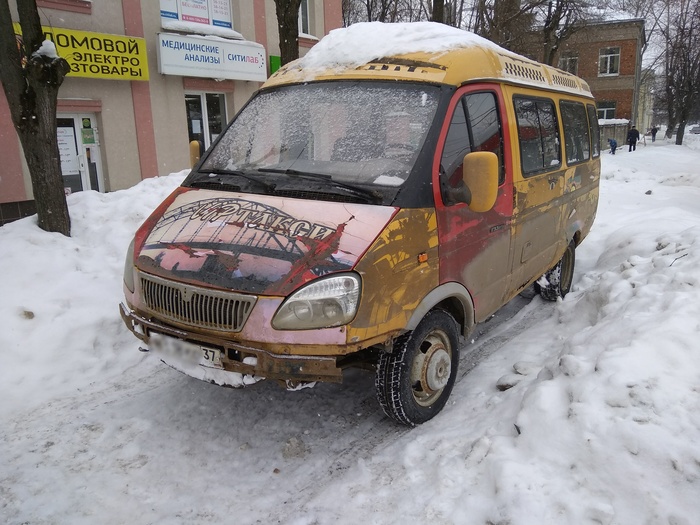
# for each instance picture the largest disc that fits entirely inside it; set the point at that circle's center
(414, 381)
(560, 277)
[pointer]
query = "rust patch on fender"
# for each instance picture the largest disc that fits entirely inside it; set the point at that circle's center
(394, 279)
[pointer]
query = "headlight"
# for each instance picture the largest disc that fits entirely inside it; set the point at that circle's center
(129, 268)
(321, 304)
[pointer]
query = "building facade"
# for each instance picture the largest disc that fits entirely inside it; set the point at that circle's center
(147, 78)
(607, 55)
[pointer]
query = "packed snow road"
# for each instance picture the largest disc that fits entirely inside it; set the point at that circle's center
(155, 446)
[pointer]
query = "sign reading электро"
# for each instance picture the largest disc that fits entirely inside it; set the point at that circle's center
(99, 55)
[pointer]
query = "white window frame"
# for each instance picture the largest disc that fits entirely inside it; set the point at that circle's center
(205, 113)
(566, 61)
(606, 56)
(603, 112)
(304, 10)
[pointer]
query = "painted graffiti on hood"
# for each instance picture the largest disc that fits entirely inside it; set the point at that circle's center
(269, 245)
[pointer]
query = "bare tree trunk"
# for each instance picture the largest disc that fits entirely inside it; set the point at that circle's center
(438, 11)
(31, 82)
(288, 24)
(682, 34)
(44, 162)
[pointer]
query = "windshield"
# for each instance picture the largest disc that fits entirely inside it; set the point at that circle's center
(354, 132)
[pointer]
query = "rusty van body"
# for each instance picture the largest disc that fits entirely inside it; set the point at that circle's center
(369, 217)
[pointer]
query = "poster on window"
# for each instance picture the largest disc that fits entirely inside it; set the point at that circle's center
(221, 13)
(67, 151)
(195, 11)
(168, 10)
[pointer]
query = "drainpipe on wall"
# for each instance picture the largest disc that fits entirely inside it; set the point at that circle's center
(637, 81)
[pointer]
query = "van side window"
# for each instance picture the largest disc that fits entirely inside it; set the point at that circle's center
(457, 145)
(486, 127)
(538, 134)
(577, 142)
(475, 126)
(595, 130)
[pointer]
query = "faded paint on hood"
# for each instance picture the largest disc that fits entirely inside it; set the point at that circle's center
(256, 243)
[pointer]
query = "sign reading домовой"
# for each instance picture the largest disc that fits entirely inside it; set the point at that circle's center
(195, 56)
(98, 55)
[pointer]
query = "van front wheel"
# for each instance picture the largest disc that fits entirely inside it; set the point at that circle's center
(414, 381)
(557, 281)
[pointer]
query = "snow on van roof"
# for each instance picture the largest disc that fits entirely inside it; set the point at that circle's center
(366, 41)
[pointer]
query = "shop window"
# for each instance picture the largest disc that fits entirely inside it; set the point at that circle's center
(609, 61)
(606, 109)
(569, 63)
(577, 140)
(538, 135)
(206, 117)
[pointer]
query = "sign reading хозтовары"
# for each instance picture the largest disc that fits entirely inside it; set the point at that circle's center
(99, 55)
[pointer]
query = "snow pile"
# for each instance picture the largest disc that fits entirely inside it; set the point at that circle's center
(47, 49)
(60, 323)
(366, 41)
(612, 121)
(202, 29)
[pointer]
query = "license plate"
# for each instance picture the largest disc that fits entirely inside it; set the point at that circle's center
(170, 348)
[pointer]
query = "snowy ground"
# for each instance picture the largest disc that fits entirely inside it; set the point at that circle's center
(603, 425)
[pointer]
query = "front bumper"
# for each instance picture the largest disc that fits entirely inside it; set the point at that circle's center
(240, 360)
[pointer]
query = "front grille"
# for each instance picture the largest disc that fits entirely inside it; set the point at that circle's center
(195, 306)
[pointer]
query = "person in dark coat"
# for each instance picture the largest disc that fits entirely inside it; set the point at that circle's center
(613, 145)
(632, 138)
(654, 131)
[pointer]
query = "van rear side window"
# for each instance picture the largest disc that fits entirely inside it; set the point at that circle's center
(595, 130)
(538, 134)
(577, 143)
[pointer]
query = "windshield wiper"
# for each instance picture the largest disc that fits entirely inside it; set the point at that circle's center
(238, 173)
(371, 196)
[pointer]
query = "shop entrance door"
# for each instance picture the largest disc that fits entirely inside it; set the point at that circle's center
(206, 117)
(79, 147)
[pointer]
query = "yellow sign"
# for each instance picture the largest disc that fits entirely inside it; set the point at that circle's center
(99, 55)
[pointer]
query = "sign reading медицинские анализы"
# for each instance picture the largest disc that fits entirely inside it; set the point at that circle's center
(195, 56)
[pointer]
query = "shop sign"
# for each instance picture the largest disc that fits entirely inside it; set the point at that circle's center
(218, 58)
(194, 11)
(221, 13)
(99, 55)
(209, 12)
(168, 9)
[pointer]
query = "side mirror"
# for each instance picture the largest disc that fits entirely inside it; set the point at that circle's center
(480, 175)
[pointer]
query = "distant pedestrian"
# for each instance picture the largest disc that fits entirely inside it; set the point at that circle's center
(654, 131)
(613, 145)
(632, 138)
